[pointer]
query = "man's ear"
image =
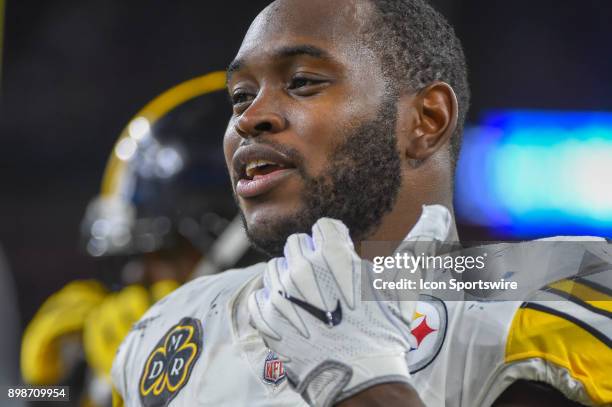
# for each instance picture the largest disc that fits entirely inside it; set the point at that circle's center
(434, 120)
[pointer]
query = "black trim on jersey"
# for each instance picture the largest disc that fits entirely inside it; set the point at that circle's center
(595, 286)
(579, 301)
(597, 334)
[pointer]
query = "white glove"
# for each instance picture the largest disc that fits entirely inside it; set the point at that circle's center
(334, 345)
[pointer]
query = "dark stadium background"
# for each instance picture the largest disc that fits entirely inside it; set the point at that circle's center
(74, 72)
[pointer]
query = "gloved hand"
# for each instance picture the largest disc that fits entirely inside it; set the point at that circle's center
(309, 311)
(56, 326)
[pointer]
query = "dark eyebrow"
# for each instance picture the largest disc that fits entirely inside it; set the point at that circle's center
(297, 50)
(236, 65)
(284, 52)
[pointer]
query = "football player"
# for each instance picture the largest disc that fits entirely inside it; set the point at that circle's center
(165, 210)
(347, 118)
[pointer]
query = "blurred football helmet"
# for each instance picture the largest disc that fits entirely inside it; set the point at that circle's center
(166, 179)
(165, 213)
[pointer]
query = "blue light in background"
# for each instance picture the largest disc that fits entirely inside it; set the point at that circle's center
(526, 174)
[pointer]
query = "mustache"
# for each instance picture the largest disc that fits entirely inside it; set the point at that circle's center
(291, 153)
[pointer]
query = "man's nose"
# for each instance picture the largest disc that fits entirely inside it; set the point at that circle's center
(260, 117)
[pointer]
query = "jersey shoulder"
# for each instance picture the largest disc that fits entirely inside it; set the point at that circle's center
(198, 292)
(173, 325)
(563, 337)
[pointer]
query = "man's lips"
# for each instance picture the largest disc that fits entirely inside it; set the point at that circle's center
(257, 152)
(259, 168)
(260, 184)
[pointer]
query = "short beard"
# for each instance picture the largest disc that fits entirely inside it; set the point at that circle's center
(359, 187)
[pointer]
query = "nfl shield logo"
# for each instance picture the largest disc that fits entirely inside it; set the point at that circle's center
(273, 373)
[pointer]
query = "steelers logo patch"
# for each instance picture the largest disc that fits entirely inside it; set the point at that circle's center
(169, 365)
(429, 330)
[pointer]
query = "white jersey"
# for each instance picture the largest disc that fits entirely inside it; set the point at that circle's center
(196, 348)
(470, 352)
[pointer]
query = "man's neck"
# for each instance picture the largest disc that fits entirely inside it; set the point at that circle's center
(397, 224)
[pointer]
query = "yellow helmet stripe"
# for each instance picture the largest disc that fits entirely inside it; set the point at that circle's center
(153, 111)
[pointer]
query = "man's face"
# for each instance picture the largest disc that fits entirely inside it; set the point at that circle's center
(313, 129)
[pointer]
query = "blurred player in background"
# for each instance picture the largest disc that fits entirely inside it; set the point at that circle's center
(165, 213)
